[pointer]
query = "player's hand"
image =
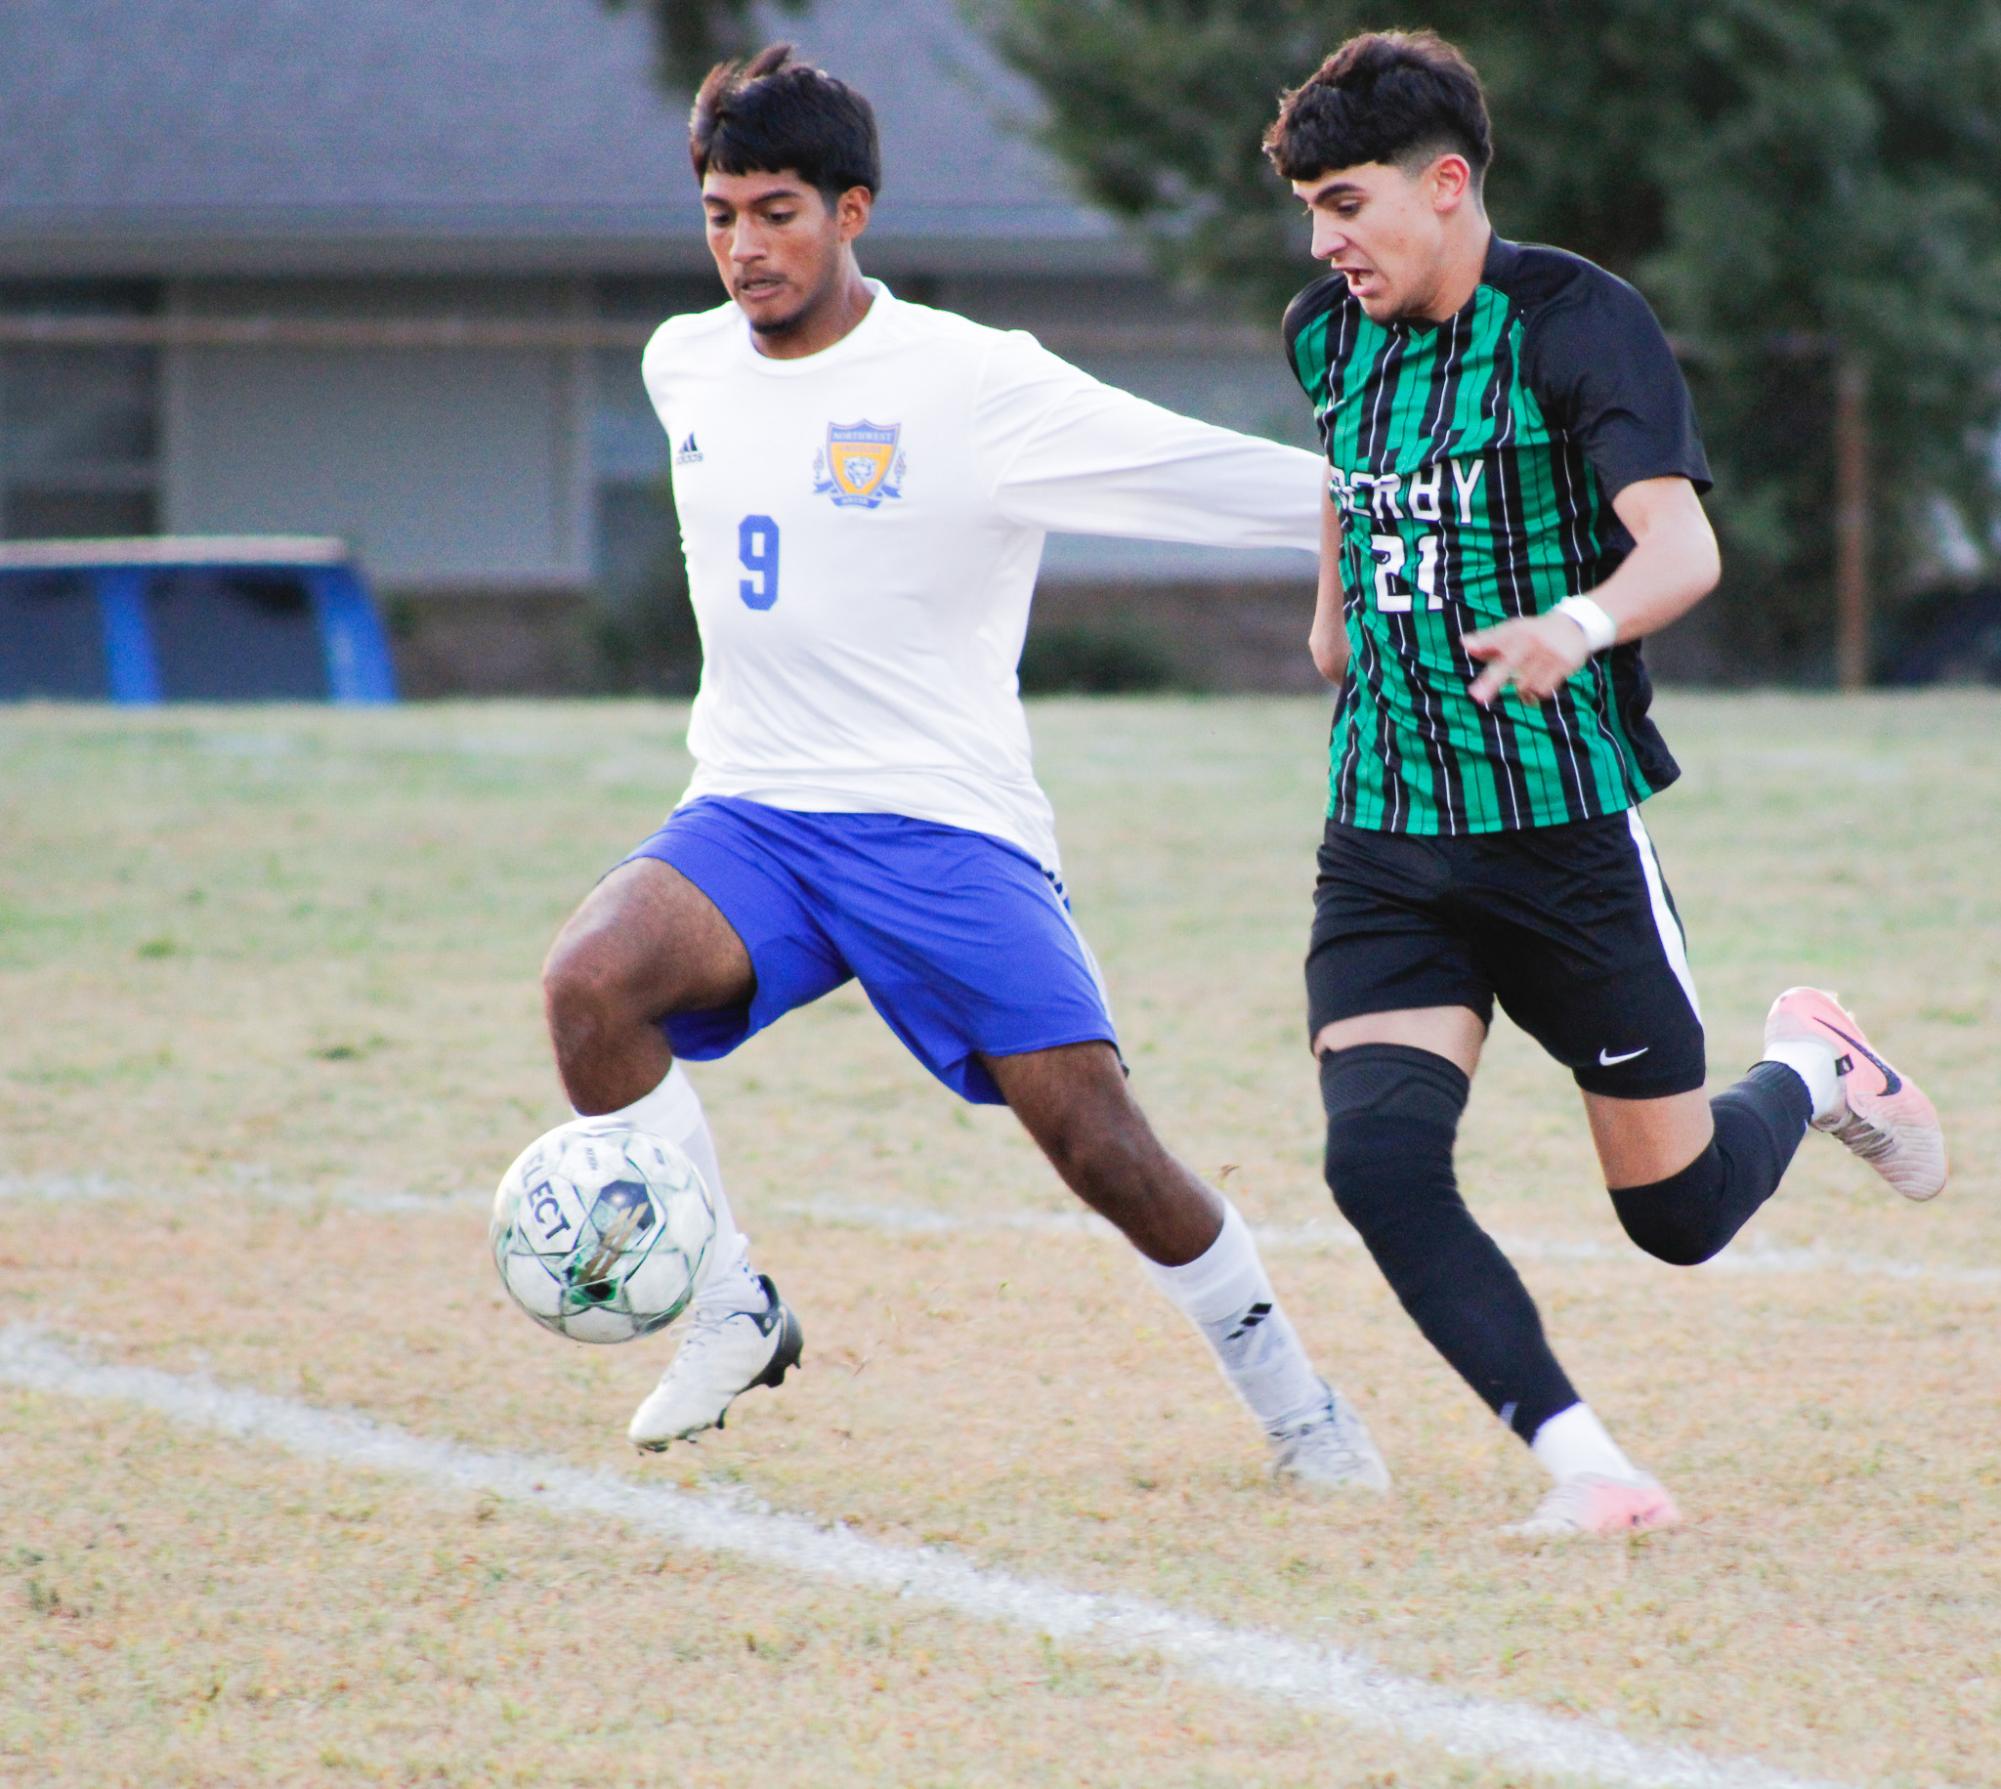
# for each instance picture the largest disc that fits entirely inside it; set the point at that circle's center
(1534, 654)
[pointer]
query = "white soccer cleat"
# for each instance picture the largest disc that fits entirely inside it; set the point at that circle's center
(1330, 1450)
(1884, 1117)
(723, 1355)
(1593, 1504)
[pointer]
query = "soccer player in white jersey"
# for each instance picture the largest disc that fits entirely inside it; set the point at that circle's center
(863, 488)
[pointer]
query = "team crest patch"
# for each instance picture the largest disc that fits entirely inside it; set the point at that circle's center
(860, 466)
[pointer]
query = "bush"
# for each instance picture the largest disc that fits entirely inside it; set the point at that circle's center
(1095, 661)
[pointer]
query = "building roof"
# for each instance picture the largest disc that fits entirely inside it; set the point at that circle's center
(511, 135)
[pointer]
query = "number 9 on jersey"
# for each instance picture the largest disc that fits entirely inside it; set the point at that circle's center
(757, 549)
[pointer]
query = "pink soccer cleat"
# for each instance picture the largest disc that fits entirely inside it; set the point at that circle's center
(1884, 1117)
(1592, 1504)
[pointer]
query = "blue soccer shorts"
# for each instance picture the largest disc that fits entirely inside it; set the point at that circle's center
(961, 941)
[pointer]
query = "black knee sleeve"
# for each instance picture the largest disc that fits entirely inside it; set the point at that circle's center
(1688, 1217)
(1392, 1115)
(1676, 1220)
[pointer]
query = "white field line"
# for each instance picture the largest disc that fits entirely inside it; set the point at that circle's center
(1746, 1258)
(1345, 1685)
(1753, 1257)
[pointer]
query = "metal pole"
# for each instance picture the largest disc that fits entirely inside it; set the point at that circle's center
(1851, 521)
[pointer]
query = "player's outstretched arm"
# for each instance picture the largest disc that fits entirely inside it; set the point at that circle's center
(1672, 567)
(1068, 453)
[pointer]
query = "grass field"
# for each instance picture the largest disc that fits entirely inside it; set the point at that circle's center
(269, 979)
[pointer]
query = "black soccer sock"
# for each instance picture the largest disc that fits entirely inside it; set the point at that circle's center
(1689, 1216)
(1392, 1115)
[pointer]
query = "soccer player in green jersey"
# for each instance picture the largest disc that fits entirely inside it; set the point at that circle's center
(1513, 502)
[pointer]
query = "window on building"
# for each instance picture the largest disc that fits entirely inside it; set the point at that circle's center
(637, 548)
(636, 565)
(638, 545)
(79, 426)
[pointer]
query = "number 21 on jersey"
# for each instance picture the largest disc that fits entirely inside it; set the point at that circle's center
(1391, 555)
(757, 552)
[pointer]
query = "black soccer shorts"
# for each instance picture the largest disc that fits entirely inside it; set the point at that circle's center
(1570, 927)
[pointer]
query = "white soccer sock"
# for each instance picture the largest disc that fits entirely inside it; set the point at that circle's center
(1814, 1064)
(1573, 1442)
(674, 1111)
(1224, 1292)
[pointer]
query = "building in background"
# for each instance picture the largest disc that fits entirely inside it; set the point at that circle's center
(380, 271)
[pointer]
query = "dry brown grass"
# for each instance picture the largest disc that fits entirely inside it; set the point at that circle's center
(295, 952)
(186, 1612)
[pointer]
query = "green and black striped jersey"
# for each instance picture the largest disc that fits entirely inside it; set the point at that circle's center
(1474, 463)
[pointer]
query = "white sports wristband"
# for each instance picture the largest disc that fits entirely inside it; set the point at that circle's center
(1600, 630)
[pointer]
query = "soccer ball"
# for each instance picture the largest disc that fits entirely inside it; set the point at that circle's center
(599, 1230)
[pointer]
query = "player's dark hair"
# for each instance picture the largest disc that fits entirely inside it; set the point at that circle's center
(1404, 97)
(772, 113)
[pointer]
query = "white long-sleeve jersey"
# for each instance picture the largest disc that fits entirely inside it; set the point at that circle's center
(862, 530)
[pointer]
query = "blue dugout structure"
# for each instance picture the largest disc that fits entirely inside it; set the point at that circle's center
(228, 619)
